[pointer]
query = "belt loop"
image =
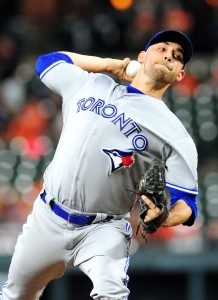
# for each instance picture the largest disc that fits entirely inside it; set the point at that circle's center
(51, 203)
(100, 217)
(68, 219)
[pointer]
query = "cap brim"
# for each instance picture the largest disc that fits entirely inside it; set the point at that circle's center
(176, 37)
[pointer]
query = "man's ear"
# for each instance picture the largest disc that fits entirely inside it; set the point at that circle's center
(181, 75)
(141, 56)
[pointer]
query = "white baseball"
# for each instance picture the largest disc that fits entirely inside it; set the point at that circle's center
(132, 68)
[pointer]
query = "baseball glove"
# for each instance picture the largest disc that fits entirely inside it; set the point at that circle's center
(152, 185)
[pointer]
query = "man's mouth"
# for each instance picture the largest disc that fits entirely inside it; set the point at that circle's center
(166, 65)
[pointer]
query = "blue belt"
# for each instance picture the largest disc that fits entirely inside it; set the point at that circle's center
(74, 219)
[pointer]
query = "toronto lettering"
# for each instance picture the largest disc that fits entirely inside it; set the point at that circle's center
(109, 111)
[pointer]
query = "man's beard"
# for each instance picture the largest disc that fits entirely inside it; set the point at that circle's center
(162, 77)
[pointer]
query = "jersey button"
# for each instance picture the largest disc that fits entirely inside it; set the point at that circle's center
(94, 132)
(84, 154)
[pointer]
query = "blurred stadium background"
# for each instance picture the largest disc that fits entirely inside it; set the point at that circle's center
(30, 119)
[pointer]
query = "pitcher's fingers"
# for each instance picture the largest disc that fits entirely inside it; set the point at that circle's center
(148, 201)
(152, 213)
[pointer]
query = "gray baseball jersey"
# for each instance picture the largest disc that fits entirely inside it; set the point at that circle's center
(110, 134)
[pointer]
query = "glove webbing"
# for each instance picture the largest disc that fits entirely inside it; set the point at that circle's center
(152, 185)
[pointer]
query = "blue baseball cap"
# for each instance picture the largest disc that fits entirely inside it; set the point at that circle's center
(176, 37)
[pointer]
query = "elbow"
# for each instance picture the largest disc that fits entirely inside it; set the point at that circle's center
(191, 217)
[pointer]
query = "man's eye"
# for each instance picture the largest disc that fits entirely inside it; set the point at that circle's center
(177, 57)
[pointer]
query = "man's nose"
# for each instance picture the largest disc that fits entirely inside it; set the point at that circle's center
(168, 57)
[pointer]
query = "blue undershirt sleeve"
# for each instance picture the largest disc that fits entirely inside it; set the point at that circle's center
(190, 199)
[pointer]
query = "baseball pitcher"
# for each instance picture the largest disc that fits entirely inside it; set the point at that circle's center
(116, 141)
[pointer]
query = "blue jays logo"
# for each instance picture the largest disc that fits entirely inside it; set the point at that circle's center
(119, 159)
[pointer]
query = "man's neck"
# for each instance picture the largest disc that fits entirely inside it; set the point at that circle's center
(150, 88)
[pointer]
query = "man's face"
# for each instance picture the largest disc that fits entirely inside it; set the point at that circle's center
(164, 62)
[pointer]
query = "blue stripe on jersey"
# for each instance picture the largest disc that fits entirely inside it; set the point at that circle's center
(189, 198)
(180, 188)
(48, 61)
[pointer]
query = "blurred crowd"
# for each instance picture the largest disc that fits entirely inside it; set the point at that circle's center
(30, 115)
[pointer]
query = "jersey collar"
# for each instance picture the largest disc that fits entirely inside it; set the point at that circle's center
(131, 89)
